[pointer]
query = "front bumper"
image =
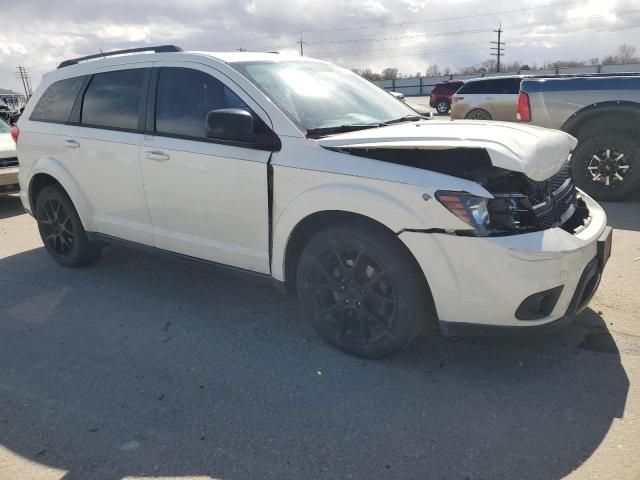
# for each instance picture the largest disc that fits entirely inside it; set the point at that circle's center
(478, 283)
(9, 180)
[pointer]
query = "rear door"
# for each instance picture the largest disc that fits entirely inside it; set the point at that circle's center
(102, 151)
(207, 199)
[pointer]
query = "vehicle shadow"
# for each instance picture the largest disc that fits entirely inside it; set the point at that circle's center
(624, 215)
(10, 206)
(139, 366)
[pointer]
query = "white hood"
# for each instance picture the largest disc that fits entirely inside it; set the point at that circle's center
(7, 146)
(537, 152)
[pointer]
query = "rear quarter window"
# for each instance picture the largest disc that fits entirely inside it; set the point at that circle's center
(57, 101)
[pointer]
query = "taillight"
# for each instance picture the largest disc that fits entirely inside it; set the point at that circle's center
(15, 133)
(523, 112)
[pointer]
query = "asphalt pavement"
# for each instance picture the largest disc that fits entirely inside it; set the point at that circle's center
(144, 367)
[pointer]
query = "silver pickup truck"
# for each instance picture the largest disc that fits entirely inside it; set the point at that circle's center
(603, 113)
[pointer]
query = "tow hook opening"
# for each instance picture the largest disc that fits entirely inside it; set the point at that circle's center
(539, 305)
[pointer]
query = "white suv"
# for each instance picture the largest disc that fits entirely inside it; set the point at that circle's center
(308, 175)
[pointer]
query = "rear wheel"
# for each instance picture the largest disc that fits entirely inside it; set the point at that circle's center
(61, 230)
(607, 165)
(363, 291)
(478, 114)
(442, 107)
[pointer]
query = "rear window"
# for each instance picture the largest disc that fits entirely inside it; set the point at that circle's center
(113, 99)
(56, 102)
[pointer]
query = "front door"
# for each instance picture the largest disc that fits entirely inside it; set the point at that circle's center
(206, 199)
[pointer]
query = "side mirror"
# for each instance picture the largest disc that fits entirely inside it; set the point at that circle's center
(233, 124)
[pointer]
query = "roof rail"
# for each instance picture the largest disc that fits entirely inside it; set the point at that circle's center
(158, 49)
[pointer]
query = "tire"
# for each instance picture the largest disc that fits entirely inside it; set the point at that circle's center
(61, 230)
(600, 160)
(478, 114)
(363, 291)
(442, 107)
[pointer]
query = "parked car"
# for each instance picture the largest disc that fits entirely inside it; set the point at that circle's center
(603, 113)
(306, 175)
(8, 161)
(491, 98)
(442, 93)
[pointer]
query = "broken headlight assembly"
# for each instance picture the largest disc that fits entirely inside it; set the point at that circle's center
(502, 215)
(471, 209)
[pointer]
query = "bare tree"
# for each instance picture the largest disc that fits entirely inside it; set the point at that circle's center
(490, 65)
(626, 54)
(433, 71)
(389, 73)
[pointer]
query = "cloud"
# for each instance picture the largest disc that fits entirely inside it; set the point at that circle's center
(408, 34)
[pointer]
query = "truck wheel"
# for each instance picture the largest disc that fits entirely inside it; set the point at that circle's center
(362, 290)
(61, 230)
(442, 107)
(478, 114)
(607, 165)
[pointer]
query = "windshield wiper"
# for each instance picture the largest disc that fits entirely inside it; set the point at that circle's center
(406, 118)
(315, 132)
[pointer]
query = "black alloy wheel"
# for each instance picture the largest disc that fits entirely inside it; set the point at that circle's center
(362, 289)
(353, 294)
(607, 165)
(57, 228)
(61, 230)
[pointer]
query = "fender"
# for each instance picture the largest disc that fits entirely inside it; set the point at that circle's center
(391, 210)
(595, 110)
(55, 169)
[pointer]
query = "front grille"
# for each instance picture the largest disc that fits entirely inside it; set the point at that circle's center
(553, 198)
(8, 162)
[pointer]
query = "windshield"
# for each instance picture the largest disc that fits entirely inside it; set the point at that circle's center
(317, 95)
(4, 127)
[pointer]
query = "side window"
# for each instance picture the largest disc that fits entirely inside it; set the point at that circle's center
(185, 97)
(473, 87)
(505, 86)
(57, 101)
(113, 99)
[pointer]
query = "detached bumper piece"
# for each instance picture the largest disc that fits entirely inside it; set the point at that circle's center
(542, 301)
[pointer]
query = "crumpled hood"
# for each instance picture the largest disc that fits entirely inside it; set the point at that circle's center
(7, 146)
(537, 152)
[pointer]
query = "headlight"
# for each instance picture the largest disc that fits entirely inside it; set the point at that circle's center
(470, 209)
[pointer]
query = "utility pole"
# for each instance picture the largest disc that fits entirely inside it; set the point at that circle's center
(241, 49)
(499, 47)
(26, 83)
(301, 44)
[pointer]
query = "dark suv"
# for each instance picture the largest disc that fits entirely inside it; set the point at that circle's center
(441, 95)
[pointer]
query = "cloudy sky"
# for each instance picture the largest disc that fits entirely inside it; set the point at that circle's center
(407, 34)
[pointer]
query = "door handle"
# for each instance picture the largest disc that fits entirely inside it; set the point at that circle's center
(156, 155)
(71, 143)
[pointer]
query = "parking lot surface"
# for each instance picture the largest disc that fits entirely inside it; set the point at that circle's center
(144, 367)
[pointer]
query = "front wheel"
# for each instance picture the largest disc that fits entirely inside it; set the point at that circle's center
(607, 165)
(61, 230)
(363, 290)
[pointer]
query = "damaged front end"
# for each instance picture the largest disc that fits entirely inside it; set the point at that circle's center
(519, 204)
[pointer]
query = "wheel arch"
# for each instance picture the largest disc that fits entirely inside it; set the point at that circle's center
(49, 172)
(308, 226)
(477, 109)
(622, 115)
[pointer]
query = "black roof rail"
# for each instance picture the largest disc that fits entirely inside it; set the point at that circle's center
(157, 49)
